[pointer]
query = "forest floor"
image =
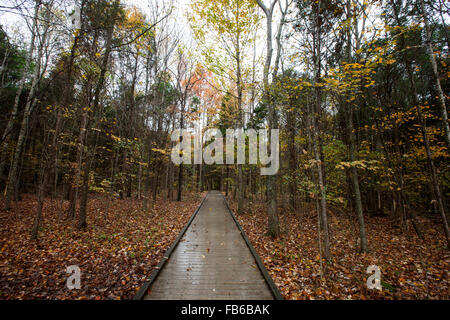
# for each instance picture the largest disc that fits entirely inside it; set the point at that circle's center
(410, 269)
(118, 251)
(122, 245)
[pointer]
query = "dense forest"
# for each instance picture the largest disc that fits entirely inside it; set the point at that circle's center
(90, 92)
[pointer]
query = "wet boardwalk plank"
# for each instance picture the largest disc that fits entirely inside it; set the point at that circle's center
(211, 262)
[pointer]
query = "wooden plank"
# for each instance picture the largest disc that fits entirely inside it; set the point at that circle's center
(143, 291)
(264, 272)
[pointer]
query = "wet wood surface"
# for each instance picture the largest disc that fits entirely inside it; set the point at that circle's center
(211, 261)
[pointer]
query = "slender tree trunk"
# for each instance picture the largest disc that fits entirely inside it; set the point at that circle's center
(82, 222)
(181, 167)
(226, 180)
(38, 217)
(80, 154)
(13, 174)
(436, 74)
(292, 160)
(352, 143)
(7, 133)
(180, 182)
(273, 221)
(201, 177)
(43, 176)
(240, 185)
(317, 141)
(171, 180)
(323, 195)
(147, 184)
(354, 170)
(139, 182)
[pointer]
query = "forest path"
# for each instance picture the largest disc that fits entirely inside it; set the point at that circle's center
(211, 262)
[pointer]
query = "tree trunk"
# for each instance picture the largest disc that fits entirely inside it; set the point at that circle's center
(82, 223)
(436, 74)
(13, 174)
(7, 133)
(317, 141)
(43, 175)
(180, 182)
(273, 221)
(355, 180)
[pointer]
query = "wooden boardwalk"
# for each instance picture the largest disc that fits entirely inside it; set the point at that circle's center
(211, 261)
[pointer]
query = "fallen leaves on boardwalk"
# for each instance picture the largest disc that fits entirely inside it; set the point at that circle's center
(116, 254)
(410, 269)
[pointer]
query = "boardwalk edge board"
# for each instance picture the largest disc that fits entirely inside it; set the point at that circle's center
(273, 287)
(143, 291)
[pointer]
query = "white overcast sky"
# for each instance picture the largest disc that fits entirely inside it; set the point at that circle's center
(10, 19)
(16, 26)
